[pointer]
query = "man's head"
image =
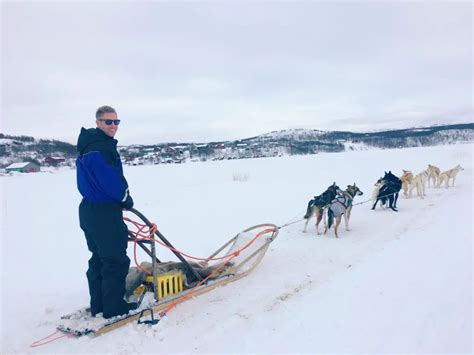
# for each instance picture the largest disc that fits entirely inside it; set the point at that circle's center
(106, 120)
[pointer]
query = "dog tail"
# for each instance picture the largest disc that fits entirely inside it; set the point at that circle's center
(309, 209)
(330, 217)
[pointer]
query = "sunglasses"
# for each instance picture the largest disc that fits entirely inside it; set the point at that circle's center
(109, 122)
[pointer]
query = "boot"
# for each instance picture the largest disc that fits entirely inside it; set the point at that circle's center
(121, 311)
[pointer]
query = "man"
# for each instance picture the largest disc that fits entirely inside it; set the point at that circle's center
(105, 194)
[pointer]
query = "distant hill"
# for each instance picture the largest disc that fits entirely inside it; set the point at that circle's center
(15, 149)
(287, 142)
(312, 141)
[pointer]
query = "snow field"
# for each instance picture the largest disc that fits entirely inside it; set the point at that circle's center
(396, 282)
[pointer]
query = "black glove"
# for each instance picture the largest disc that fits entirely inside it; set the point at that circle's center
(128, 203)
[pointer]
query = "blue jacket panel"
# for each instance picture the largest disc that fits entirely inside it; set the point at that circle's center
(99, 169)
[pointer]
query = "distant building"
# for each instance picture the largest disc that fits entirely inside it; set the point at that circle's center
(54, 161)
(27, 167)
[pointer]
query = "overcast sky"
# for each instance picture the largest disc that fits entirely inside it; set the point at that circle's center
(203, 71)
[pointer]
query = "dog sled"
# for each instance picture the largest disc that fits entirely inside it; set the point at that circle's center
(159, 286)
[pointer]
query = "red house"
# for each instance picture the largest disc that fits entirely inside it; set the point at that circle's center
(54, 161)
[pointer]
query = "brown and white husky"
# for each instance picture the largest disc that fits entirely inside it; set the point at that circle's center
(407, 179)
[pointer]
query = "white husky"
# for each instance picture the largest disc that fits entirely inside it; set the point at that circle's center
(433, 174)
(449, 174)
(424, 178)
(418, 183)
(375, 193)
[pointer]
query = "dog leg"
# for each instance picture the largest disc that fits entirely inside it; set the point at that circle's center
(391, 203)
(338, 222)
(306, 224)
(347, 216)
(375, 204)
(326, 226)
(318, 220)
(325, 220)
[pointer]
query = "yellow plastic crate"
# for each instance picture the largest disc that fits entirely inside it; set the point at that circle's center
(168, 284)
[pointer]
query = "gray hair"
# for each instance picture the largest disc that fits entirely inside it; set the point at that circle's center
(104, 109)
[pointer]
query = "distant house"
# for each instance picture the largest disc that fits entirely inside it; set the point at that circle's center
(54, 161)
(27, 167)
(170, 150)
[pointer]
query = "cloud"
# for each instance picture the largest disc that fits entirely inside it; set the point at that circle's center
(205, 71)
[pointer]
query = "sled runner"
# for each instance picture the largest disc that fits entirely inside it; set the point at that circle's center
(160, 286)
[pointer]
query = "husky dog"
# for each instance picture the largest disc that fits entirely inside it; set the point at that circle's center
(418, 184)
(424, 178)
(450, 174)
(317, 205)
(433, 174)
(342, 205)
(389, 191)
(407, 179)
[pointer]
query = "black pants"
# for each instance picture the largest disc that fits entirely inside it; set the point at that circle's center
(106, 236)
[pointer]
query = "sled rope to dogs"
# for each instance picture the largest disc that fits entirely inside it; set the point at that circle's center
(290, 221)
(362, 202)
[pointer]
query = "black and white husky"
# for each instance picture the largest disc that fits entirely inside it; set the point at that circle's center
(317, 205)
(342, 206)
(389, 191)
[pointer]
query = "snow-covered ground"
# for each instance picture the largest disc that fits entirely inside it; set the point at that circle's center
(396, 282)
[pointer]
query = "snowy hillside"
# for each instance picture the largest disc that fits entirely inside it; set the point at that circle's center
(16, 149)
(396, 282)
(294, 134)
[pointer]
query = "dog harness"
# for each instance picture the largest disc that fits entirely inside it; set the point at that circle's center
(340, 204)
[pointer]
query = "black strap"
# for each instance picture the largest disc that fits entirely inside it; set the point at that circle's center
(151, 321)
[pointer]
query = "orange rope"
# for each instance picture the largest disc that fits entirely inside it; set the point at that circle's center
(49, 339)
(141, 236)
